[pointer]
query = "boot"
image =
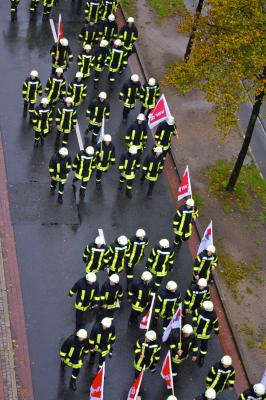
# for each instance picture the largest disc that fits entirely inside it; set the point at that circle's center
(36, 144)
(120, 187)
(201, 360)
(95, 85)
(42, 141)
(73, 385)
(81, 193)
(60, 199)
(98, 185)
(128, 193)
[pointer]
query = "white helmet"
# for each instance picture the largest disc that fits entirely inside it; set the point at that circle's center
(118, 42)
(207, 305)
(259, 389)
(82, 334)
(79, 74)
(151, 335)
(107, 138)
(146, 276)
(107, 322)
(111, 17)
(63, 152)
(114, 278)
(170, 120)
(210, 394)
(187, 329)
(141, 117)
(59, 70)
(226, 360)
(151, 82)
(172, 397)
(87, 47)
(122, 240)
(44, 100)
(102, 95)
(158, 149)
(130, 20)
(211, 248)
(164, 243)
(140, 233)
(69, 100)
(134, 78)
(91, 277)
(34, 73)
(64, 42)
(133, 150)
(103, 43)
(171, 285)
(202, 282)
(99, 240)
(190, 202)
(90, 150)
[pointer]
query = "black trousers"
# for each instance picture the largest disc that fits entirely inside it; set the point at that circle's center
(75, 373)
(158, 281)
(83, 186)
(143, 110)
(101, 359)
(204, 347)
(79, 319)
(60, 187)
(133, 318)
(126, 111)
(129, 182)
(151, 185)
(39, 135)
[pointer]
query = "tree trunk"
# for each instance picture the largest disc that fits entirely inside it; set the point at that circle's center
(194, 28)
(248, 135)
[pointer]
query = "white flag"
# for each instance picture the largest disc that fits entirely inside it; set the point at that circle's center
(207, 238)
(101, 133)
(175, 323)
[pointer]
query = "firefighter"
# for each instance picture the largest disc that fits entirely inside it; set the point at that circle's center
(149, 95)
(117, 61)
(108, 29)
(182, 346)
(128, 165)
(56, 87)
(66, 120)
(47, 8)
(100, 57)
(209, 394)
(137, 134)
(254, 392)
(116, 254)
(182, 223)
(164, 133)
(59, 167)
(92, 10)
(129, 34)
(83, 166)
(31, 90)
(89, 34)
(221, 375)
(101, 340)
(42, 121)
(129, 95)
(88, 297)
(204, 321)
(135, 253)
(152, 168)
(160, 261)
(196, 294)
(105, 156)
(147, 353)
(111, 294)
(85, 61)
(167, 302)
(61, 55)
(108, 8)
(98, 110)
(77, 89)
(13, 9)
(72, 353)
(93, 255)
(140, 296)
(205, 264)
(33, 9)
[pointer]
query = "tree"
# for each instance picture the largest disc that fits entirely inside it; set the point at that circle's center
(194, 28)
(229, 48)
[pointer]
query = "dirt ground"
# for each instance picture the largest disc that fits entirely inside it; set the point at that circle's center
(200, 145)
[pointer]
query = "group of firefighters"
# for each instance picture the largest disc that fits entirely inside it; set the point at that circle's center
(104, 46)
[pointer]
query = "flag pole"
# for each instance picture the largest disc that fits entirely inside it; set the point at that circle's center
(151, 309)
(171, 372)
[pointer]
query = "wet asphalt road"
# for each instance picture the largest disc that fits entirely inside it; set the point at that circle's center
(50, 238)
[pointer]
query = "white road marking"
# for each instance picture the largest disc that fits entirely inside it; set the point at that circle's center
(80, 142)
(101, 234)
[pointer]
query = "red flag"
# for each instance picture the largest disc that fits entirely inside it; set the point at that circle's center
(184, 189)
(96, 390)
(146, 320)
(159, 113)
(134, 390)
(166, 372)
(60, 28)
